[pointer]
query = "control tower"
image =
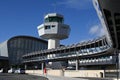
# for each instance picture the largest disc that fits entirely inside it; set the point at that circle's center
(53, 29)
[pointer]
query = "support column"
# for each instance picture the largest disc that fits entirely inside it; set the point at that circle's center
(42, 66)
(117, 54)
(119, 65)
(77, 64)
(53, 43)
(25, 66)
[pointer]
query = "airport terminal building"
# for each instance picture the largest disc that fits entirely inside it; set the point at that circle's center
(97, 54)
(13, 49)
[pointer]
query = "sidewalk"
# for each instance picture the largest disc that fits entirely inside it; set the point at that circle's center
(69, 78)
(63, 78)
(60, 78)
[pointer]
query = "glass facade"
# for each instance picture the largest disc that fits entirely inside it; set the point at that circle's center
(54, 19)
(20, 45)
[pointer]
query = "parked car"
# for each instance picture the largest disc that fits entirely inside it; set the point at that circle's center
(20, 71)
(1, 71)
(11, 70)
(70, 68)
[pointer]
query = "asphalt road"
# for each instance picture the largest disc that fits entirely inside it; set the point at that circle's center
(6, 76)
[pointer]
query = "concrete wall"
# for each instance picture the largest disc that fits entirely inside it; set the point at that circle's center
(34, 71)
(55, 72)
(83, 73)
(69, 73)
(49, 72)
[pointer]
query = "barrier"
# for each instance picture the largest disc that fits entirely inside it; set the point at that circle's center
(70, 73)
(84, 73)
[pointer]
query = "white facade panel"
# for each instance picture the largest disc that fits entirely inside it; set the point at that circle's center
(52, 30)
(41, 29)
(4, 49)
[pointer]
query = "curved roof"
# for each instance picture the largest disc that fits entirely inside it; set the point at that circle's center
(25, 36)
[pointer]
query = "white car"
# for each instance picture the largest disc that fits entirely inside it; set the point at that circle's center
(1, 71)
(11, 70)
(20, 71)
(70, 68)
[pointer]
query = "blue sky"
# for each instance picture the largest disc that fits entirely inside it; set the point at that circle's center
(21, 17)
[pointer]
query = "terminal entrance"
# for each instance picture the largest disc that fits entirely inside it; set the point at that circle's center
(4, 65)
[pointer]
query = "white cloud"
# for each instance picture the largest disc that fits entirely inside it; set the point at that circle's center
(94, 29)
(76, 4)
(102, 32)
(97, 30)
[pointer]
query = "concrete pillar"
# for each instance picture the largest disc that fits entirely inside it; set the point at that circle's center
(77, 64)
(25, 66)
(117, 53)
(42, 66)
(119, 65)
(53, 43)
